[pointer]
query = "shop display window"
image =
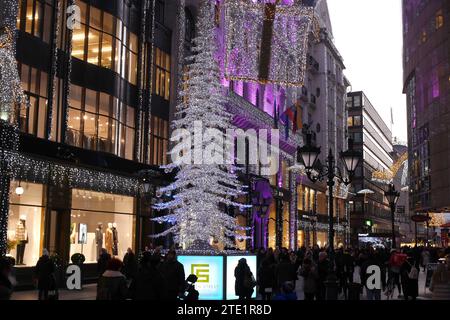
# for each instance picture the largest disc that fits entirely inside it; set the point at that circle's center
(100, 220)
(25, 223)
(272, 226)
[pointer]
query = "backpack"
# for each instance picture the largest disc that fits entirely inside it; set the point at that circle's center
(249, 281)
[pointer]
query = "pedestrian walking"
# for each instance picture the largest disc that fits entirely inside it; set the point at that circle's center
(6, 282)
(149, 283)
(310, 278)
(102, 261)
(129, 265)
(323, 268)
(409, 273)
(266, 276)
(284, 271)
(173, 272)
(245, 282)
(112, 285)
(44, 275)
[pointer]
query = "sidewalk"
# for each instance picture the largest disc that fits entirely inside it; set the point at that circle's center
(89, 292)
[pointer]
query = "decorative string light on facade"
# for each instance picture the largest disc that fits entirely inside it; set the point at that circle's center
(23, 167)
(68, 80)
(54, 69)
(283, 30)
(437, 219)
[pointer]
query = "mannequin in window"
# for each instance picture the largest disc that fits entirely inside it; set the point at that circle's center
(109, 238)
(21, 238)
(115, 245)
(99, 239)
(73, 232)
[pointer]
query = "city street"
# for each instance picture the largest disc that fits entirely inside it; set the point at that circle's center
(89, 292)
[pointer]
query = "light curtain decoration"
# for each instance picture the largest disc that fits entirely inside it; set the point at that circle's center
(201, 192)
(11, 96)
(267, 41)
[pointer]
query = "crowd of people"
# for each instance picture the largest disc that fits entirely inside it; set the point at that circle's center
(280, 272)
(399, 272)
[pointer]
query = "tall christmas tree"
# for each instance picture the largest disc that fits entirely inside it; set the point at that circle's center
(201, 192)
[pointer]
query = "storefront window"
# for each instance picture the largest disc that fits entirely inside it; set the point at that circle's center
(300, 238)
(272, 226)
(100, 220)
(286, 225)
(25, 223)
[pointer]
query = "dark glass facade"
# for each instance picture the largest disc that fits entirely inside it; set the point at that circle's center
(427, 87)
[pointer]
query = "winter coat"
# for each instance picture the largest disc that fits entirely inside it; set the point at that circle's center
(129, 265)
(242, 274)
(44, 273)
(266, 274)
(310, 278)
(103, 262)
(149, 284)
(6, 288)
(285, 271)
(410, 286)
(112, 285)
(173, 272)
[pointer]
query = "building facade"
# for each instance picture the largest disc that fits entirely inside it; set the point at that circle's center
(98, 119)
(427, 87)
(102, 94)
(370, 212)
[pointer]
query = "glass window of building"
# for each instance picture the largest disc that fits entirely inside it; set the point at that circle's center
(272, 234)
(103, 40)
(357, 121)
(25, 223)
(98, 121)
(439, 20)
(100, 220)
(161, 74)
(286, 225)
(35, 17)
(33, 120)
(159, 141)
(350, 121)
(357, 101)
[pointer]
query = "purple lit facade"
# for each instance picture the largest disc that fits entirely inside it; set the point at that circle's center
(427, 87)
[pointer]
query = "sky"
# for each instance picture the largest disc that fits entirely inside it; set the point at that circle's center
(368, 34)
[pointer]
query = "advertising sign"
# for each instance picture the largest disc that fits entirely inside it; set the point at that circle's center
(209, 270)
(232, 262)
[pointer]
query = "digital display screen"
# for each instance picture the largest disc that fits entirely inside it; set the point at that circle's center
(232, 262)
(209, 271)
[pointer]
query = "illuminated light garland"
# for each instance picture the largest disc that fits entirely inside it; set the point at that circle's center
(54, 69)
(386, 176)
(199, 191)
(289, 45)
(68, 82)
(437, 219)
(11, 97)
(24, 167)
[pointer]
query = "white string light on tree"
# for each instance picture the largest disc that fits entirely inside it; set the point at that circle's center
(201, 191)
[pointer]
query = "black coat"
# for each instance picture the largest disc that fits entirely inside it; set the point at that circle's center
(149, 284)
(102, 263)
(112, 285)
(129, 265)
(44, 272)
(241, 273)
(410, 286)
(266, 274)
(6, 288)
(173, 272)
(285, 271)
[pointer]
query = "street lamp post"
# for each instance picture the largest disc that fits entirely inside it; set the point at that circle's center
(261, 208)
(392, 196)
(309, 154)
